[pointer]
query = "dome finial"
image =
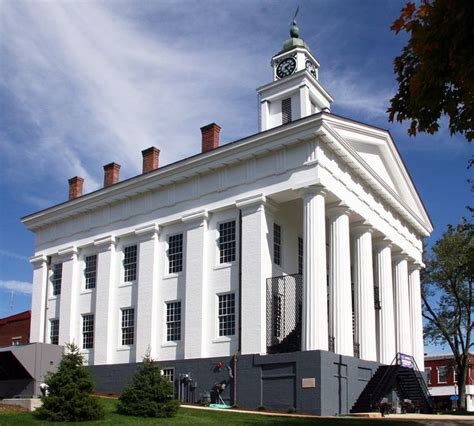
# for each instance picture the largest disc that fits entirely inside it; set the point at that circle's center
(294, 30)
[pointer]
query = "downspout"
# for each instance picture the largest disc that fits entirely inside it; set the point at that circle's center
(45, 328)
(240, 282)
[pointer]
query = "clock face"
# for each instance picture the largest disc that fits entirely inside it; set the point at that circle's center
(311, 68)
(286, 67)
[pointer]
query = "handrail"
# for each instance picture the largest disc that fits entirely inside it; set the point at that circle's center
(420, 380)
(378, 388)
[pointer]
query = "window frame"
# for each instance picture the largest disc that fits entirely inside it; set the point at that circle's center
(169, 266)
(125, 266)
(446, 373)
(56, 328)
(88, 336)
(87, 285)
(277, 244)
(285, 117)
(56, 278)
(169, 324)
(168, 376)
(123, 327)
(226, 259)
(221, 331)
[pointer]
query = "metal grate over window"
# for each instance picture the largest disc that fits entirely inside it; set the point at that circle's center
(175, 253)
(168, 374)
(286, 111)
(300, 255)
(130, 263)
(90, 271)
(57, 278)
(88, 331)
(128, 326)
(173, 321)
(226, 314)
(227, 242)
(54, 331)
(277, 244)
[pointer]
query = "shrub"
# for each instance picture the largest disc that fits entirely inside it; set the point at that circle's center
(150, 394)
(69, 388)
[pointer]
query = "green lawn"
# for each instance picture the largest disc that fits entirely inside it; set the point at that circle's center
(188, 416)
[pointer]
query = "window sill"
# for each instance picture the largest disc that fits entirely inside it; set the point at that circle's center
(127, 284)
(224, 265)
(125, 348)
(53, 297)
(87, 291)
(172, 276)
(172, 344)
(224, 339)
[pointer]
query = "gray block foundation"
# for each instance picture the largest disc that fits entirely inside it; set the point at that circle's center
(318, 382)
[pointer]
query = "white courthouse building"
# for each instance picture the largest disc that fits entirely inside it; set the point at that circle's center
(305, 236)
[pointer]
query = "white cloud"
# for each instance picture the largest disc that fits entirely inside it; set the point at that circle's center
(20, 287)
(12, 255)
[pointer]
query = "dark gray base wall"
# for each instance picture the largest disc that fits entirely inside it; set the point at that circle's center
(312, 381)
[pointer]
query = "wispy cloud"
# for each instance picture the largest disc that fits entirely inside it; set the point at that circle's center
(12, 255)
(20, 287)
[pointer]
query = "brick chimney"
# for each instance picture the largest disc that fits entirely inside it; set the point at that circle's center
(210, 137)
(111, 174)
(75, 187)
(151, 159)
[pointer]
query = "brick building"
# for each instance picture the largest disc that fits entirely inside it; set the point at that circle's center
(15, 329)
(442, 381)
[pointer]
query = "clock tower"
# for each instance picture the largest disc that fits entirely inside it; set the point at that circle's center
(295, 91)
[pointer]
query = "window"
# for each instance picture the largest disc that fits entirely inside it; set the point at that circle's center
(454, 375)
(428, 374)
(277, 314)
(88, 331)
(226, 314)
(227, 242)
(128, 326)
(300, 255)
(54, 331)
(286, 111)
(175, 253)
(130, 263)
(277, 244)
(90, 271)
(16, 341)
(442, 374)
(168, 374)
(57, 278)
(173, 321)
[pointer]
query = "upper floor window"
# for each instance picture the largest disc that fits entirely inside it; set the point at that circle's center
(128, 326)
(277, 244)
(227, 242)
(442, 374)
(286, 111)
(57, 278)
(226, 314)
(130, 263)
(173, 321)
(54, 331)
(90, 271)
(88, 331)
(300, 255)
(175, 253)
(428, 374)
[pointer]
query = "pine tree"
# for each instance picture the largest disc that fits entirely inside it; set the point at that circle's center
(150, 394)
(69, 388)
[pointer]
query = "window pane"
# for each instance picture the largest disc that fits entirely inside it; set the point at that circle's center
(57, 278)
(128, 326)
(175, 253)
(226, 313)
(173, 321)
(54, 332)
(90, 271)
(227, 242)
(88, 331)
(277, 244)
(130, 263)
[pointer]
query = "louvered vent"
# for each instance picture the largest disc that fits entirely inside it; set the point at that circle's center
(286, 111)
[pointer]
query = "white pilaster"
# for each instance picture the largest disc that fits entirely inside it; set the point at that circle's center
(264, 115)
(106, 326)
(147, 300)
(305, 106)
(39, 299)
(256, 268)
(402, 305)
(68, 318)
(340, 281)
(364, 293)
(385, 315)
(315, 314)
(195, 330)
(415, 315)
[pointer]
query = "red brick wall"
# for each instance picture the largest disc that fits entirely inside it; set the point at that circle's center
(434, 364)
(15, 326)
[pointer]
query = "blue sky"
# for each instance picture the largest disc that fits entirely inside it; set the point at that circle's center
(86, 83)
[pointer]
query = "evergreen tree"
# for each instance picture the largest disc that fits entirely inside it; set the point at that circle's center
(150, 394)
(68, 397)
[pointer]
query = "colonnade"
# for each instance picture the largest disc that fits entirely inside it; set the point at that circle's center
(385, 298)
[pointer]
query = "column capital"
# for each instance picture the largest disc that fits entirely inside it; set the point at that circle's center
(414, 265)
(383, 242)
(337, 209)
(109, 241)
(399, 256)
(254, 203)
(38, 260)
(316, 189)
(200, 215)
(147, 230)
(68, 252)
(360, 228)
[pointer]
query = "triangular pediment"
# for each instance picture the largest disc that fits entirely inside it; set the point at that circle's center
(376, 154)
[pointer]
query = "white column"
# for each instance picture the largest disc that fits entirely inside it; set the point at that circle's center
(256, 268)
(364, 293)
(195, 330)
(147, 299)
(38, 299)
(264, 115)
(315, 313)
(402, 306)
(383, 280)
(305, 106)
(416, 319)
(68, 316)
(106, 317)
(340, 281)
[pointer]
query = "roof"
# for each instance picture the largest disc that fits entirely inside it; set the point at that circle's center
(438, 357)
(26, 315)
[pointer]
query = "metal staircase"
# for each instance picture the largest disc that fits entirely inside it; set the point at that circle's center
(404, 377)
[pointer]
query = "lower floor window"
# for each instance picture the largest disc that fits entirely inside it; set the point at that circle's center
(226, 314)
(128, 326)
(87, 331)
(54, 332)
(173, 321)
(168, 374)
